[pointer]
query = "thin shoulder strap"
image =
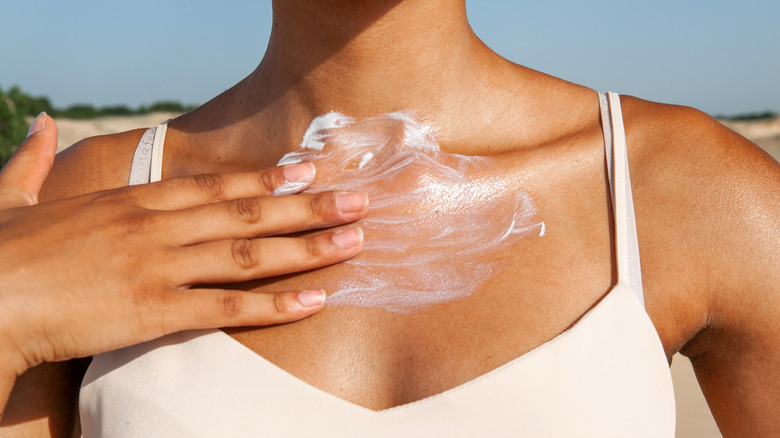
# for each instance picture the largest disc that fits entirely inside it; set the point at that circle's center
(147, 159)
(627, 243)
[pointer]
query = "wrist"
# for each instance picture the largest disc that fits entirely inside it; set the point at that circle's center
(14, 362)
(9, 367)
(7, 380)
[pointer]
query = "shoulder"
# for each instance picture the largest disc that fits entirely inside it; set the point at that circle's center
(707, 200)
(712, 202)
(697, 161)
(92, 164)
(702, 174)
(687, 133)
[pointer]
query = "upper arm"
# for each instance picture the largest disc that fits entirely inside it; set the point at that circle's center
(93, 164)
(728, 199)
(737, 356)
(43, 401)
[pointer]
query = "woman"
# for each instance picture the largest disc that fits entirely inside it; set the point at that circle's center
(518, 352)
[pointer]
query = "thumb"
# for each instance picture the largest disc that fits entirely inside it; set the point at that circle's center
(22, 178)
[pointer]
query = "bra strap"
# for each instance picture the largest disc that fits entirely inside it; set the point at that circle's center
(147, 159)
(627, 244)
(142, 159)
(157, 152)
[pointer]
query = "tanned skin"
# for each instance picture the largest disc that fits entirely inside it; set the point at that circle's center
(706, 205)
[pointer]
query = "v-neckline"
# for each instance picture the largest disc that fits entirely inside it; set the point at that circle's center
(620, 287)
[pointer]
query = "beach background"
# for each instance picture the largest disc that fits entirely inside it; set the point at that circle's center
(718, 56)
(694, 419)
(764, 132)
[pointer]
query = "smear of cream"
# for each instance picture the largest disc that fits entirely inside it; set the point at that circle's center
(290, 188)
(433, 217)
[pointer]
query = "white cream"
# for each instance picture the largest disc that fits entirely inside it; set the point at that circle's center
(290, 188)
(432, 215)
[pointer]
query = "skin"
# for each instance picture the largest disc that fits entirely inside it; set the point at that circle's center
(113, 268)
(705, 198)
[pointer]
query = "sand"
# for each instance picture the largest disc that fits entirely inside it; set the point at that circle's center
(764, 133)
(693, 416)
(71, 131)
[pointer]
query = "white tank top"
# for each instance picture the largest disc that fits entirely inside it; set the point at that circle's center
(606, 376)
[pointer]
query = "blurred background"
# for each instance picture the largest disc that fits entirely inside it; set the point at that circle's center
(103, 67)
(92, 58)
(718, 56)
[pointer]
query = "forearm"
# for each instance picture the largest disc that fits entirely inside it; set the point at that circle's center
(9, 365)
(6, 385)
(34, 400)
(43, 401)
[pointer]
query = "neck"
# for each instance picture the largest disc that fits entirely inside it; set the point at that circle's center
(368, 57)
(364, 58)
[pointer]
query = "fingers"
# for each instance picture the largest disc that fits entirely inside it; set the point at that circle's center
(23, 176)
(192, 191)
(230, 261)
(213, 308)
(255, 217)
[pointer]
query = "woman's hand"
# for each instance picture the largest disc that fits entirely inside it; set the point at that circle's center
(110, 269)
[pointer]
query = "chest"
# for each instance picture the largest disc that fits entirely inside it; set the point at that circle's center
(433, 302)
(390, 343)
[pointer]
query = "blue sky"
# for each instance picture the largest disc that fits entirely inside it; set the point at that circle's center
(720, 56)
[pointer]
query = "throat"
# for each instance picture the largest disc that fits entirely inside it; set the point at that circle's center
(364, 58)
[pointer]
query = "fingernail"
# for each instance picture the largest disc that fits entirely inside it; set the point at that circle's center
(302, 173)
(348, 238)
(351, 202)
(312, 298)
(298, 177)
(38, 124)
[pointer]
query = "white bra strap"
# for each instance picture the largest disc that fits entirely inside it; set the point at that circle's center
(157, 152)
(147, 159)
(627, 244)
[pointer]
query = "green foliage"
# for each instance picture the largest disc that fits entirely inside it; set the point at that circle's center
(13, 123)
(87, 111)
(169, 107)
(751, 116)
(16, 107)
(117, 110)
(78, 111)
